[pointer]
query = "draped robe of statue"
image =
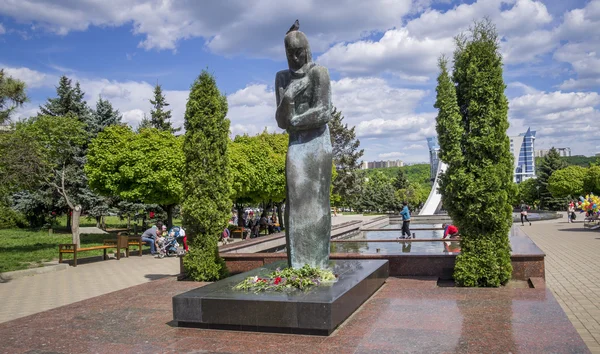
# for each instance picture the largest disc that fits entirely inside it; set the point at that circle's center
(304, 108)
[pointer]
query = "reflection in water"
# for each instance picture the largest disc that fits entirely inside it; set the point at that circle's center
(451, 246)
(406, 246)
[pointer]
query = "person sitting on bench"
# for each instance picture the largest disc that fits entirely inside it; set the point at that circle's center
(450, 231)
(150, 235)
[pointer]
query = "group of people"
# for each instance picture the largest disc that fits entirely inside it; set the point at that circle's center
(157, 234)
(253, 225)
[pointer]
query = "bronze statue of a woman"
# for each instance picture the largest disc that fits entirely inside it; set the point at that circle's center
(303, 95)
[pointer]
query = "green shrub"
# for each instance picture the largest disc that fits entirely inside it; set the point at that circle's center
(10, 218)
(203, 263)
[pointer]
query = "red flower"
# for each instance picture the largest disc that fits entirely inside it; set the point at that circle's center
(277, 280)
(263, 280)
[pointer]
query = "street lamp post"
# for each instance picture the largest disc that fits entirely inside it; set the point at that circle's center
(538, 190)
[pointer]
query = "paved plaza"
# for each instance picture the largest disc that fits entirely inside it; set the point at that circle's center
(573, 272)
(32, 294)
(572, 275)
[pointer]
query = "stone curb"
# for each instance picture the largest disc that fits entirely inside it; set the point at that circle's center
(8, 276)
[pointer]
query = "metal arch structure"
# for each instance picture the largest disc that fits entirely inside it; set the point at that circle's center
(434, 201)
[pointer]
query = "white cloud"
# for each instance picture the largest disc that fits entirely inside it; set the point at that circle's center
(251, 110)
(367, 98)
(528, 47)
(2, 30)
(526, 89)
(392, 155)
(415, 147)
(542, 103)
(32, 78)
(228, 27)
(397, 52)
(560, 118)
(412, 51)
(580, 29)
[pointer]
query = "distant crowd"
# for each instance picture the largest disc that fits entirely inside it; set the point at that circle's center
(252, 224)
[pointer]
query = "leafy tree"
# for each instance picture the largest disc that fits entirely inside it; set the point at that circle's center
(257, 164)
(159, 117)
(400, 182)
(378, 194)
(53, 158)
(346, 157)
(145, 166)
(567, 182)
(104, 115)
(70, 102)
(548, 165)
(591, 182)
(12, 95)
(207, 178)
(527, 192)
(414, 194)
(477, 186)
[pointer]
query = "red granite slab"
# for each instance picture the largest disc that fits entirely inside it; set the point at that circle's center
(404, 316)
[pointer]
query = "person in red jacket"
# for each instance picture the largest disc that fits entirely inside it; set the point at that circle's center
(450, 231)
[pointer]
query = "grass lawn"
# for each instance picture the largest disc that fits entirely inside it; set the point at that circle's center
(112, 222)
(22, 249)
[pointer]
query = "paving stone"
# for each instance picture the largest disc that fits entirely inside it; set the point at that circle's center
(572, 272)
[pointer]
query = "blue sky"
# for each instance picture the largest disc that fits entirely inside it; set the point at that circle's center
(381, 54)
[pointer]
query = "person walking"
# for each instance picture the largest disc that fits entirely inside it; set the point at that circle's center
(571, 211)
(405, 213)
(524, 208)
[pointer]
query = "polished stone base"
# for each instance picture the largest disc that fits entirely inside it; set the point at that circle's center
(317, 311)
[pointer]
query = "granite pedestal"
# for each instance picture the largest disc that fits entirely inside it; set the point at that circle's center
(317, 311)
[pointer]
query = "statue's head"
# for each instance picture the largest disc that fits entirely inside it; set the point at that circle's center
(297, 50)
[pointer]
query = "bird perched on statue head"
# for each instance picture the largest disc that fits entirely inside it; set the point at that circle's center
(294, 27)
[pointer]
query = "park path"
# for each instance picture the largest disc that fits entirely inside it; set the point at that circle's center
(572, 272)
(29, 295)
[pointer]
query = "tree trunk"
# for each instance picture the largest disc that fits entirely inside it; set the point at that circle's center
(75, 225)
(69, 221)
(103, 222)
(240, 211)
(98, 221)
(128, 222)
(169, 216)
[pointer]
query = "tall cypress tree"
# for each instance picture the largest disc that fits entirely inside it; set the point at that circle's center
(159, 117)
(550, 163)
(477, 186)
(206, 185)
(345, 157)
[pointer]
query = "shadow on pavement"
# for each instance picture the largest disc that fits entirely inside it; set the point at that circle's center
(157, 276)
(575, 230)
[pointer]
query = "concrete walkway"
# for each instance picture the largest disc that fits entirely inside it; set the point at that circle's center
(41, 292)
(572, 272)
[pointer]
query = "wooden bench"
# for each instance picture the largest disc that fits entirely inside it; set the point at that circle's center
(238, 231)
(120, 243)
(133, 241)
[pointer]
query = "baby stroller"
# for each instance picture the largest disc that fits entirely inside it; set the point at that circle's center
(168, 247)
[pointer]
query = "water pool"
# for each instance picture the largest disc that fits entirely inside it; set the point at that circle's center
(433, 247)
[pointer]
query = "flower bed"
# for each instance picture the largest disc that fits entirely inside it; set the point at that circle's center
(288, 279)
